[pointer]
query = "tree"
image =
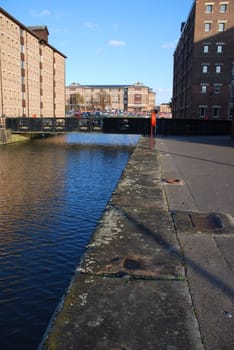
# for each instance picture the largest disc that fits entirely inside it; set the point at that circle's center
(76, 100)
(103, 99)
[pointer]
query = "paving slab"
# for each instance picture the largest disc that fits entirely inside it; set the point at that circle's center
(120, 313)
(224, 243)
(211, 283)
(202, 211)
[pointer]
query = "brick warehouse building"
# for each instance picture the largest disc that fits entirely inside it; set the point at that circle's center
(203, 80)
(32, 72)
(129, 98)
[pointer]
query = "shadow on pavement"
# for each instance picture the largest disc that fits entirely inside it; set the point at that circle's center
(173, 251)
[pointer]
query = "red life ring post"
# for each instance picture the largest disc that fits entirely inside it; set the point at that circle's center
(153, 122)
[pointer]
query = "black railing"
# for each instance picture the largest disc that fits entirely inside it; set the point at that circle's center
(128, 125)
(53, 125)
(194, 127)
(138, 125)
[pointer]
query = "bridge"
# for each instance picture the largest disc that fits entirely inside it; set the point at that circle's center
(136, 125)
(118, 124)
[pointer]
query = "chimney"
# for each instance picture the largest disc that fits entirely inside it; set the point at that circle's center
(41, 32)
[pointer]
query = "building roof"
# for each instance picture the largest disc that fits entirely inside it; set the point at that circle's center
(30, 30)
(43, 27)
(106, 86)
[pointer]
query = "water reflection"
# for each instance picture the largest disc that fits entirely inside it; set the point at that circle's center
(102, 139)
(53, 192)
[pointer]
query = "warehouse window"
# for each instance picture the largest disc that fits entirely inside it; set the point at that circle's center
(203, 88)
(221, 27)
(209, 8)
(223, 8)
(218, 68)
(219, 48)
(207, 26)
(205, 68)
(205, 48)
(203, 111)
(216, 111)
(217, 88)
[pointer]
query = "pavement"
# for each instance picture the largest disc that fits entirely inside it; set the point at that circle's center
(158, 271)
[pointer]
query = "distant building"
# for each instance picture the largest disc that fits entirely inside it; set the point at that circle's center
(164, 110)
(32, 72)
(125, 98)
(203, 83)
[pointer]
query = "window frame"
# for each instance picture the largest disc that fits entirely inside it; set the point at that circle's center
(219, 48)
(203, 111)
(218, 68)
(209, 8)
(216, 111)
(221, 26)
(205, 47)
(205, 68)
(217, 88)
(223, 7)
(203, 88)
(208, 26)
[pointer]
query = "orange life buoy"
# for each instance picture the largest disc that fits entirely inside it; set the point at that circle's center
(153, 119)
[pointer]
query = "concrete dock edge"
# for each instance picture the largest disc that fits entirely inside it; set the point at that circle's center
(130, 291)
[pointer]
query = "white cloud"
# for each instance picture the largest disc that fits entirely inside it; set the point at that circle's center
(43, 13)
(116, 43)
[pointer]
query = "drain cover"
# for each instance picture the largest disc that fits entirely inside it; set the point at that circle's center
(207, 222)
(200, 222)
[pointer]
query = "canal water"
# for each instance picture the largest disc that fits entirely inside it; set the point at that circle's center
(52, 195)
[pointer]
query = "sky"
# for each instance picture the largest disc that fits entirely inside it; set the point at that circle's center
(111, 42)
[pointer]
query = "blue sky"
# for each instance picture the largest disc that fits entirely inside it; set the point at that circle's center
(111, 42)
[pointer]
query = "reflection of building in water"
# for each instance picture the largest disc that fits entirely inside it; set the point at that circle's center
(30, 181)
(203, 84)
(40, 180)
(32, 79)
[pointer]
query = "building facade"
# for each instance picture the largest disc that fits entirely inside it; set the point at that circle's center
(32, 72)
(164, 110)
(135, 98)
(203, 79)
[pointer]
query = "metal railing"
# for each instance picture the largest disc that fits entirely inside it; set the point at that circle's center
(53, 125)
(128, 125)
